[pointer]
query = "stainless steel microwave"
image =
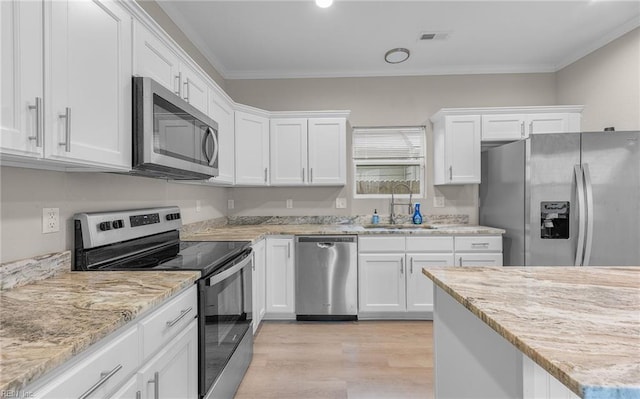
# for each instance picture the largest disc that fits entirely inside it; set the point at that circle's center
(171, 138)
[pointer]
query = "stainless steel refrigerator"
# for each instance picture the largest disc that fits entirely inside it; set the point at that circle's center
(565, 199)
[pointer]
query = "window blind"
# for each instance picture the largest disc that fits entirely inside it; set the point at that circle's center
(388, 143)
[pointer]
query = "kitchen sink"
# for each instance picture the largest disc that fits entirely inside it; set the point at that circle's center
(399, 226)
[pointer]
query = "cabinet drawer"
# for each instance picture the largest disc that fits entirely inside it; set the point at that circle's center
(478, 244)
(429, 244)
(381, 244)
(167, 321)
(118, 360)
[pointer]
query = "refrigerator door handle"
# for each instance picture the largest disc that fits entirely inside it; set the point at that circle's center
(589, 202)
(581, 213)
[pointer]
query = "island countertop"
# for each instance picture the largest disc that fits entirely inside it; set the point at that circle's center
(45, 323)
(580, 324)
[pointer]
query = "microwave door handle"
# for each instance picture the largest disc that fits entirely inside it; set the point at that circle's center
(214, 156)
(205, 139)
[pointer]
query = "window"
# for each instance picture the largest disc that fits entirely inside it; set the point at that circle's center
(383, 158)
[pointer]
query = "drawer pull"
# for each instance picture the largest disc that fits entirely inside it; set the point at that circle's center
(182, 314)
(480, 244)
(104, 376)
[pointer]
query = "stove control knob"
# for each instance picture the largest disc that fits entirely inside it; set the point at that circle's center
(173, 216)
(104, 226)
(118, 224)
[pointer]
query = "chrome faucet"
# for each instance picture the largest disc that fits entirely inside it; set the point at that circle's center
(392, 215)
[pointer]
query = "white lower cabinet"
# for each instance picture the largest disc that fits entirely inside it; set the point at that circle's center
(390, 274)
(173, 372)
(419, 286)
(258, 283)
(478, 251)
(122, 366)
(381, 283)
(280, 279)
(390, 279)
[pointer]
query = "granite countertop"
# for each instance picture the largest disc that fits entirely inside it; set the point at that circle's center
(45, 323)
(581, 324)
(256, 232)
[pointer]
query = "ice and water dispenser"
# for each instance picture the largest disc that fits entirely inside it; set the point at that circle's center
(554, 220)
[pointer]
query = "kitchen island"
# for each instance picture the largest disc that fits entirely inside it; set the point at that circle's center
(497, 331)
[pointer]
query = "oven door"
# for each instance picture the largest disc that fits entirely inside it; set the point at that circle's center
(225, 316)
(170, 134)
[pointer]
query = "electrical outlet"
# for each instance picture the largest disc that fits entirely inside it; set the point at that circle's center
(230, 204)
(198, 206)
(438, 202)
(341, 202)
(50, 220)
(289, 203)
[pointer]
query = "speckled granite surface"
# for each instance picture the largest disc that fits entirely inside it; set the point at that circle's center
(25, 271)
(256, 232)
(45, 323)
(581, 324)
(359, 219)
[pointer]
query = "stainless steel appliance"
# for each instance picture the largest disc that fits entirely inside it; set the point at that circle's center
(171, 138)
(565, 199)
(148, 239)
(326, 278)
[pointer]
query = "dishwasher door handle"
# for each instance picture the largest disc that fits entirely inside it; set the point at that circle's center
(326, 245)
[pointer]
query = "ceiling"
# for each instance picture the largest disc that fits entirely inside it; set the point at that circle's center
(289, 39)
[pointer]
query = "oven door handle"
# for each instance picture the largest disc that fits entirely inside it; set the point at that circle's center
(216, 278)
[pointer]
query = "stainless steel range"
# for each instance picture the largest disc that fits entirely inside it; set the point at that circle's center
(149, 239)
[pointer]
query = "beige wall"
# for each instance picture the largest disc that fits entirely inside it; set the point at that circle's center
(25, 192)
(385, 101)
(607, 83)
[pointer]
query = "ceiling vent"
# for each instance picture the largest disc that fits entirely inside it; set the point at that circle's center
(434, 36)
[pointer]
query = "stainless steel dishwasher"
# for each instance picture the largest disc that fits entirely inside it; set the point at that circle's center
(326, 278)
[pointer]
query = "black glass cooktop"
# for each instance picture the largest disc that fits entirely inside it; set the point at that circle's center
(205, 256)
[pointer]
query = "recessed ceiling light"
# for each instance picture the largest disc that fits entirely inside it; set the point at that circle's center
(396, 55)
(324, 3)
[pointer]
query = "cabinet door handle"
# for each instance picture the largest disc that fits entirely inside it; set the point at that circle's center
(138, 395)
(253, 261)
(179, 79)
(67, 129)
(450, 173)
(310, 175)
(303, 175)
(186, 91)
(156, 385)
(288, 250)
(401, 265)
(522, 129)
(460, 261)
(531, 127)
(39, 117)
(411, 266)
(104, 377)
(265, 175)
(182, 314)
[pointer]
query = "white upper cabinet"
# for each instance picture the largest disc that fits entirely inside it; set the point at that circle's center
(221, 111)
(251, 148)
(155, 59)
(515, 126)
(89, 83)
(21, 129)
(456, 157)
(327, 151)
(308, 151)
(288, 137)
(194, 87)
(79, 54)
